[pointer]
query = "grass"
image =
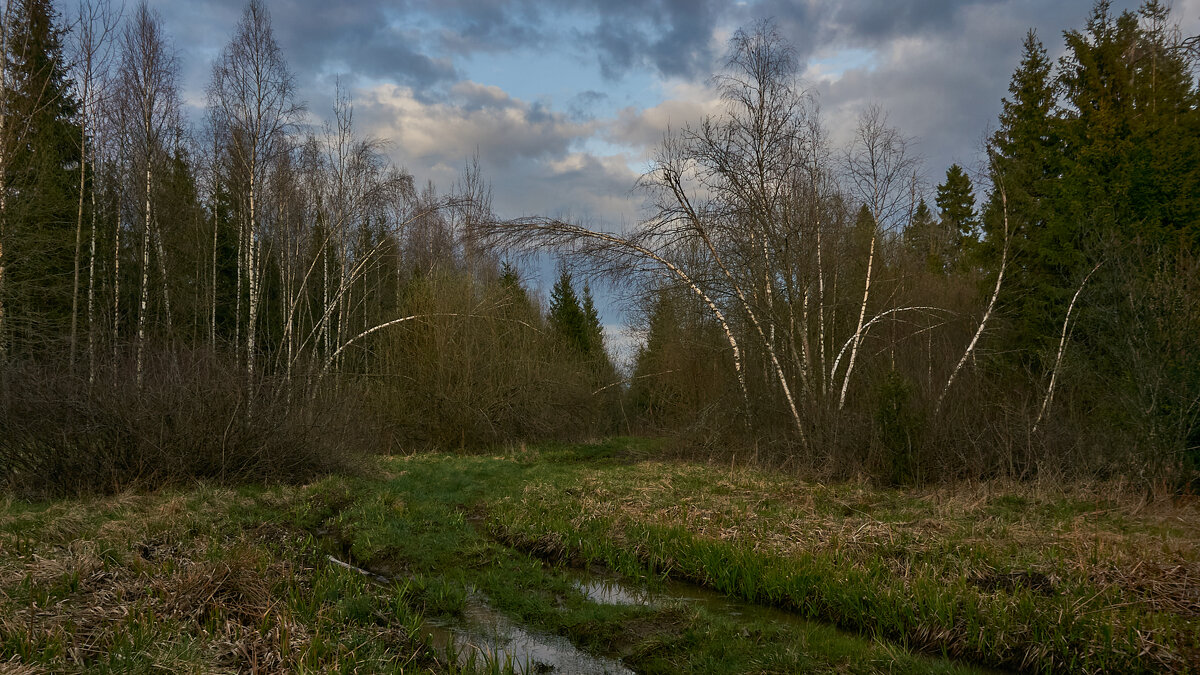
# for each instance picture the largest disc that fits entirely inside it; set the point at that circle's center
(206, 580)
(217, 579)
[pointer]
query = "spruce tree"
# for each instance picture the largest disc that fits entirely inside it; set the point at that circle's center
(567, 317)
(41, 183)
(1025, 159)
(595, 330)
(924, 239)
(956, 201)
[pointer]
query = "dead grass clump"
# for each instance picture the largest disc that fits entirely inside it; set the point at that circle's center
(234, 588)
(173, 592)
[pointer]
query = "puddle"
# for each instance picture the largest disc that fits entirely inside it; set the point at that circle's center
(606, 590)
(485, 636)
(489, 636)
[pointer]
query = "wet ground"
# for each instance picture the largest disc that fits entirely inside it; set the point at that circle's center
(486, 635)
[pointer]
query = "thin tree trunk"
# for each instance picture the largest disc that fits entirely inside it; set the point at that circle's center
(252, 269)
(862, 313)
(3, 168)
(212, 330)
(79, 223)
(1062, 345)
(116, 289)
(91, 302)
(141, 329)
(325, 298)
(162, 271)
(241, 270)
(821, 310)
(937, 408)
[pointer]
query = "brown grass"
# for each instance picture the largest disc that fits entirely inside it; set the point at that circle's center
(1101, 534)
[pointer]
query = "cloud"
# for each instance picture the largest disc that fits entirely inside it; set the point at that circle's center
(644, 129)
(472, 116)
(582, 106)
(530, 152)
(670, 36)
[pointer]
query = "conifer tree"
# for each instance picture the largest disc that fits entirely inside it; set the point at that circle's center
(595, 330)
(923, 236)
(1025, 161)
(567, 317)
(41, 153)
(956, 201)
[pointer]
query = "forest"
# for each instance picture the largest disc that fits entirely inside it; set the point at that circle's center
(267, 292)
(270, 402)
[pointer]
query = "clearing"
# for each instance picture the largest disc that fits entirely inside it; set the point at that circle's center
(605, 557)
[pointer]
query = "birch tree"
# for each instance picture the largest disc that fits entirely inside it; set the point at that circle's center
(96, 25)
(5, 132)
(252, 95)
(149, 114)
(879, 172)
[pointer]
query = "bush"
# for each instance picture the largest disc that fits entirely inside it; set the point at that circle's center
(195, 417)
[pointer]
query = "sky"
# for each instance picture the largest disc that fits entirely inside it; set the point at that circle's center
(565, 101)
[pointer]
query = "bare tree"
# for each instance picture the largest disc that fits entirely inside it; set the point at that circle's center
(148, 114)
(7, 140)
(879, 170)
(252, 95)
(97, 23)
(727, 218)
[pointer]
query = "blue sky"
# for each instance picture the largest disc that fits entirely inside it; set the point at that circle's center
(565, 101)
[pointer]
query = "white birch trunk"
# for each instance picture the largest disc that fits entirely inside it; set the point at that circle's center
(1062, 345)
(162, 271)
(212, 330)
(821, 311)
(858, 331)
(116, 290)
(79, 221)
(91, 301)
(987, 314)
(141, 329)
(252, 269)
(241, 270)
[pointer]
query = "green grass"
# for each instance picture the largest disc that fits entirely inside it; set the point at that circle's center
(877, 580)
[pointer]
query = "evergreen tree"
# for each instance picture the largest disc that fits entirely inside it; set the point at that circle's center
(1025, 161)
(1132, 149)
(567, 317)
(595, 330)
(41, 182)
(924, 239)
(956, 201)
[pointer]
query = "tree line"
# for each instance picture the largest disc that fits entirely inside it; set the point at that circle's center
(808, 295)
(821, 303)
(279, 263)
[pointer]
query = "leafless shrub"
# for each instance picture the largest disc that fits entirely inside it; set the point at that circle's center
(195, 417)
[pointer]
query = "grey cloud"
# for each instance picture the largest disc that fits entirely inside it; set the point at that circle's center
(475, 117)
(581, 106)
(944, 87)
(486, 25)
(671, 36)
(872, 20)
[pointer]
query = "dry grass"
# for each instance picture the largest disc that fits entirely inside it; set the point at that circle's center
(1147, 553)
(1065, 576)
(155, 580)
